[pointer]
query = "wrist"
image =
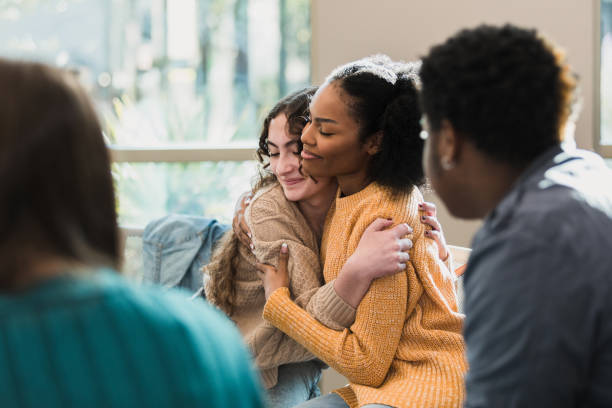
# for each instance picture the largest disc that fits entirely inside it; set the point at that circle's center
(351, 284)
(352, 272)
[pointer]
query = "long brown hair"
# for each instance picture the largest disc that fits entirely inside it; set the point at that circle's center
(222, 267)
(56, 191)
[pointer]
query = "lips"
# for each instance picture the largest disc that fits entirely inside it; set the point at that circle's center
(293, 181)
(306, 155)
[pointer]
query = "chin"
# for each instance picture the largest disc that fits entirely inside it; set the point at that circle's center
(312, 170)
(293, 195)
(462, 210)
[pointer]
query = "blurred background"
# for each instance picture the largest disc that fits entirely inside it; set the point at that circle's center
(182, 86)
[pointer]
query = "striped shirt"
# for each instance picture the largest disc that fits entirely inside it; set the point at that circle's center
(96, 341)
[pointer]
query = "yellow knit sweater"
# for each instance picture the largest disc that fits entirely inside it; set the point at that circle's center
(405, 347)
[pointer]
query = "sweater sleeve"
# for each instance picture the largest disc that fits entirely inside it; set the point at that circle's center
(272, 223)
(364, 352)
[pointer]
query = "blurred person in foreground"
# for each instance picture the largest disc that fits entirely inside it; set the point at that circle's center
(72, 331)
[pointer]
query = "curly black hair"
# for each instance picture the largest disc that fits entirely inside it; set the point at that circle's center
(505, 88)
(382, 96)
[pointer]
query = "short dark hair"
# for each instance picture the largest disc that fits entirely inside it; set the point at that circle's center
(382, 96)
(56, 190)
(505, 88)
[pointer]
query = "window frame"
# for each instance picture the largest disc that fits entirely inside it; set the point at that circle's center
(182, 153)
(605, 150)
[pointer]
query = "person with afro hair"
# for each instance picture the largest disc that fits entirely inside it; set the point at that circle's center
(498, 105)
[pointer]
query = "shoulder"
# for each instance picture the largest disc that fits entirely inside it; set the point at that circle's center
(204, 333)
(400, 207)
(270, 200)
(271, 217)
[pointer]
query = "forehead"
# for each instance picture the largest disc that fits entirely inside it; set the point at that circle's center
(329, 102)
(277, 131)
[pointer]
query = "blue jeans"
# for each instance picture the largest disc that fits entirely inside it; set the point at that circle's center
(333, 401)
(296, 383)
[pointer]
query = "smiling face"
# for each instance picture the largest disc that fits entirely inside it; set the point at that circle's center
(285, 164)
(331, 140)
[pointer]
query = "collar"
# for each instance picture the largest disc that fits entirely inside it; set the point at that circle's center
(533, 174)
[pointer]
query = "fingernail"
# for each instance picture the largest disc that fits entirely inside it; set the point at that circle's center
(284, 248)
(250, 236)
(252, 247)
(409, 227)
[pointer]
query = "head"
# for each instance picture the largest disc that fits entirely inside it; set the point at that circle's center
(56, 191)
(503, 93)
(365, 124)
(280, 147)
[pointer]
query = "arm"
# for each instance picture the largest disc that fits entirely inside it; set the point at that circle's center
(273, 222)
(380, 252)
(364, 353)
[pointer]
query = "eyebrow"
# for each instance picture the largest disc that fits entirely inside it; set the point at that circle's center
(289, 143)
(324, 120)
(321, 120)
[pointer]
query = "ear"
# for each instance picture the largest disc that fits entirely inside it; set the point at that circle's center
(449, 143)
(373, 143)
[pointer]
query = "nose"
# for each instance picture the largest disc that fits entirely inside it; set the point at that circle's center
(307, 135)
(287, 163)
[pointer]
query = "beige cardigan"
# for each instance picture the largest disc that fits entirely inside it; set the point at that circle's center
(274, 220)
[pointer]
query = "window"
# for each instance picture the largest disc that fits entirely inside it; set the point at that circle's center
(604, 139)
(181, 87)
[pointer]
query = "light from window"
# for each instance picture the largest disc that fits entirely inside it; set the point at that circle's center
(606, 72)
(166, 73)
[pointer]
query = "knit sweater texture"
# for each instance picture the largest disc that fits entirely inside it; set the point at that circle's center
(273, 220)
(405, 348)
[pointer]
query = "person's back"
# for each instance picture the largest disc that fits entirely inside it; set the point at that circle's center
(543, 264)
(538, 283)
(88, 339)
(72, 332)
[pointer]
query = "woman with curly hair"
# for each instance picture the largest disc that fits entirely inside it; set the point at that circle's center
(405, 347)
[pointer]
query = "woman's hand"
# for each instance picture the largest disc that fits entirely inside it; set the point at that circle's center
(238, 223)
(380, 252)
(274, 278)
(428, 217)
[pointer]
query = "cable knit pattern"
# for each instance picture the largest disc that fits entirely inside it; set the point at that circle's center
(274, 220)
(405, 347)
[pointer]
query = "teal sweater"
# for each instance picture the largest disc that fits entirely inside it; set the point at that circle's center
(93, 340)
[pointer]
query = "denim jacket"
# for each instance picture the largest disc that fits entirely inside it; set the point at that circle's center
(175, 247)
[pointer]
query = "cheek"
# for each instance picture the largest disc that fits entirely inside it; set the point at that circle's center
(273, 165)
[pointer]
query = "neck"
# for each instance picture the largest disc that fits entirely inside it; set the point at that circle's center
(315, 208)
(354, 182)
(494, 183)
(44, 268)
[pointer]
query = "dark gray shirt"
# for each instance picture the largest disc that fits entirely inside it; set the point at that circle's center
(538, 289)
